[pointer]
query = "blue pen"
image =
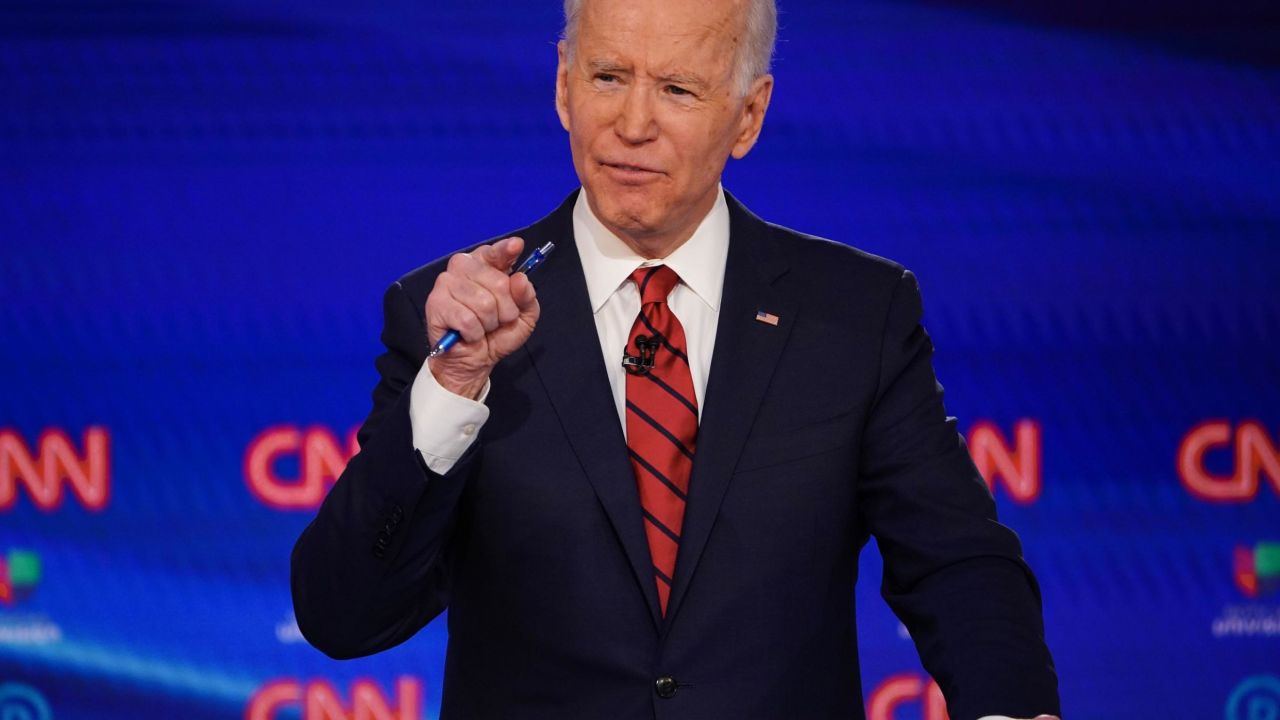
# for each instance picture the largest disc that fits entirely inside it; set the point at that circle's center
(535, 259)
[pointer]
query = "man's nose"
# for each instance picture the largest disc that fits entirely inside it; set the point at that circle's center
(635, 122)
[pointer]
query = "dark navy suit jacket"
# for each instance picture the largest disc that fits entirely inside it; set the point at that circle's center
(815, 433)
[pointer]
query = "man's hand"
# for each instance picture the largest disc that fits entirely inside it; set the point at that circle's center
(493, 312)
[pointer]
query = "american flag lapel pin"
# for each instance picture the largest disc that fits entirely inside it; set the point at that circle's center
(766, 318)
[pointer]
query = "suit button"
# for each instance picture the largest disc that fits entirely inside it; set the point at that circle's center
(666, 686)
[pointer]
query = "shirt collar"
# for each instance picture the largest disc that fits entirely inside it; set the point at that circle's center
(607, 262)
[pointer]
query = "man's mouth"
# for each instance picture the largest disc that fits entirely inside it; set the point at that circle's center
(628, 167)
(626, 174)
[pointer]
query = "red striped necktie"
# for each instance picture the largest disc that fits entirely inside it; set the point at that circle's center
(662, 420)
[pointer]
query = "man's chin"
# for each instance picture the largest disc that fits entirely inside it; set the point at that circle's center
(628, 209)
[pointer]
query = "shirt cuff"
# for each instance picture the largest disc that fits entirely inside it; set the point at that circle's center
(444, 424)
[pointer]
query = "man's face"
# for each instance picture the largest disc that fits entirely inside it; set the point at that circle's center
(653, 114)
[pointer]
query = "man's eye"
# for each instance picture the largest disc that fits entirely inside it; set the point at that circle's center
(677, 90)
(606, 77)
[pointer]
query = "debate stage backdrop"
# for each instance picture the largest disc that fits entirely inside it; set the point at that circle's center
(202, 202)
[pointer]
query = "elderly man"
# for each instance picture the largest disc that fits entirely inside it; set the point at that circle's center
(641, 490)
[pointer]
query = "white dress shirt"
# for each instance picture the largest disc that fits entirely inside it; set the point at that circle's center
(607, 263)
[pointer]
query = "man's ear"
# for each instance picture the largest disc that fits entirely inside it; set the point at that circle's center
(562, 84)
(754, 107)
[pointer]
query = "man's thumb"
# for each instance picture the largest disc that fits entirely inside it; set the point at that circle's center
(508, 250)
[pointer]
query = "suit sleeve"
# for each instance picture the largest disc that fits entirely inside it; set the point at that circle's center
(373, 566)
(952, 573)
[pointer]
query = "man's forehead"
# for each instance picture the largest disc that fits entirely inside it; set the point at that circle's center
(678, 21)
(679, 45)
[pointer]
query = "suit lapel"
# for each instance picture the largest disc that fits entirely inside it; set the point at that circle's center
(746, 352)
(565, 353)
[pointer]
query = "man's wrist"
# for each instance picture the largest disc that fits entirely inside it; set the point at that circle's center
(469, 388)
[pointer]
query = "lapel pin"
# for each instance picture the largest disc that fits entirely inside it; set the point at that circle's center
(766, 318)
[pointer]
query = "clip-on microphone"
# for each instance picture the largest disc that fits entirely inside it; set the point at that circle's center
(641, 364)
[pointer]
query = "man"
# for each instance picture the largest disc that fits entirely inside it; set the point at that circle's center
(641, 490)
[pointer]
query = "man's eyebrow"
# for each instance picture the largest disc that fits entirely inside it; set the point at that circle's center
(606, 66)
(678, 77)
(682, 78)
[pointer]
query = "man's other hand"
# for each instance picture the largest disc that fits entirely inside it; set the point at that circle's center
(493, 312)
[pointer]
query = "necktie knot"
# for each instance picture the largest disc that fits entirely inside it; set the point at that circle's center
(655, 283)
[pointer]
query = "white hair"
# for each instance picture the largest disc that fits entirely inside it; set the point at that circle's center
(755, 54)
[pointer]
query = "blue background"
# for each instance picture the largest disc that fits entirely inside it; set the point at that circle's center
(201, 204)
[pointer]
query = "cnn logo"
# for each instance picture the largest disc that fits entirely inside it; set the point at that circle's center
(54, 464)
(319, 456)
(1251, 449)
(319, 700)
